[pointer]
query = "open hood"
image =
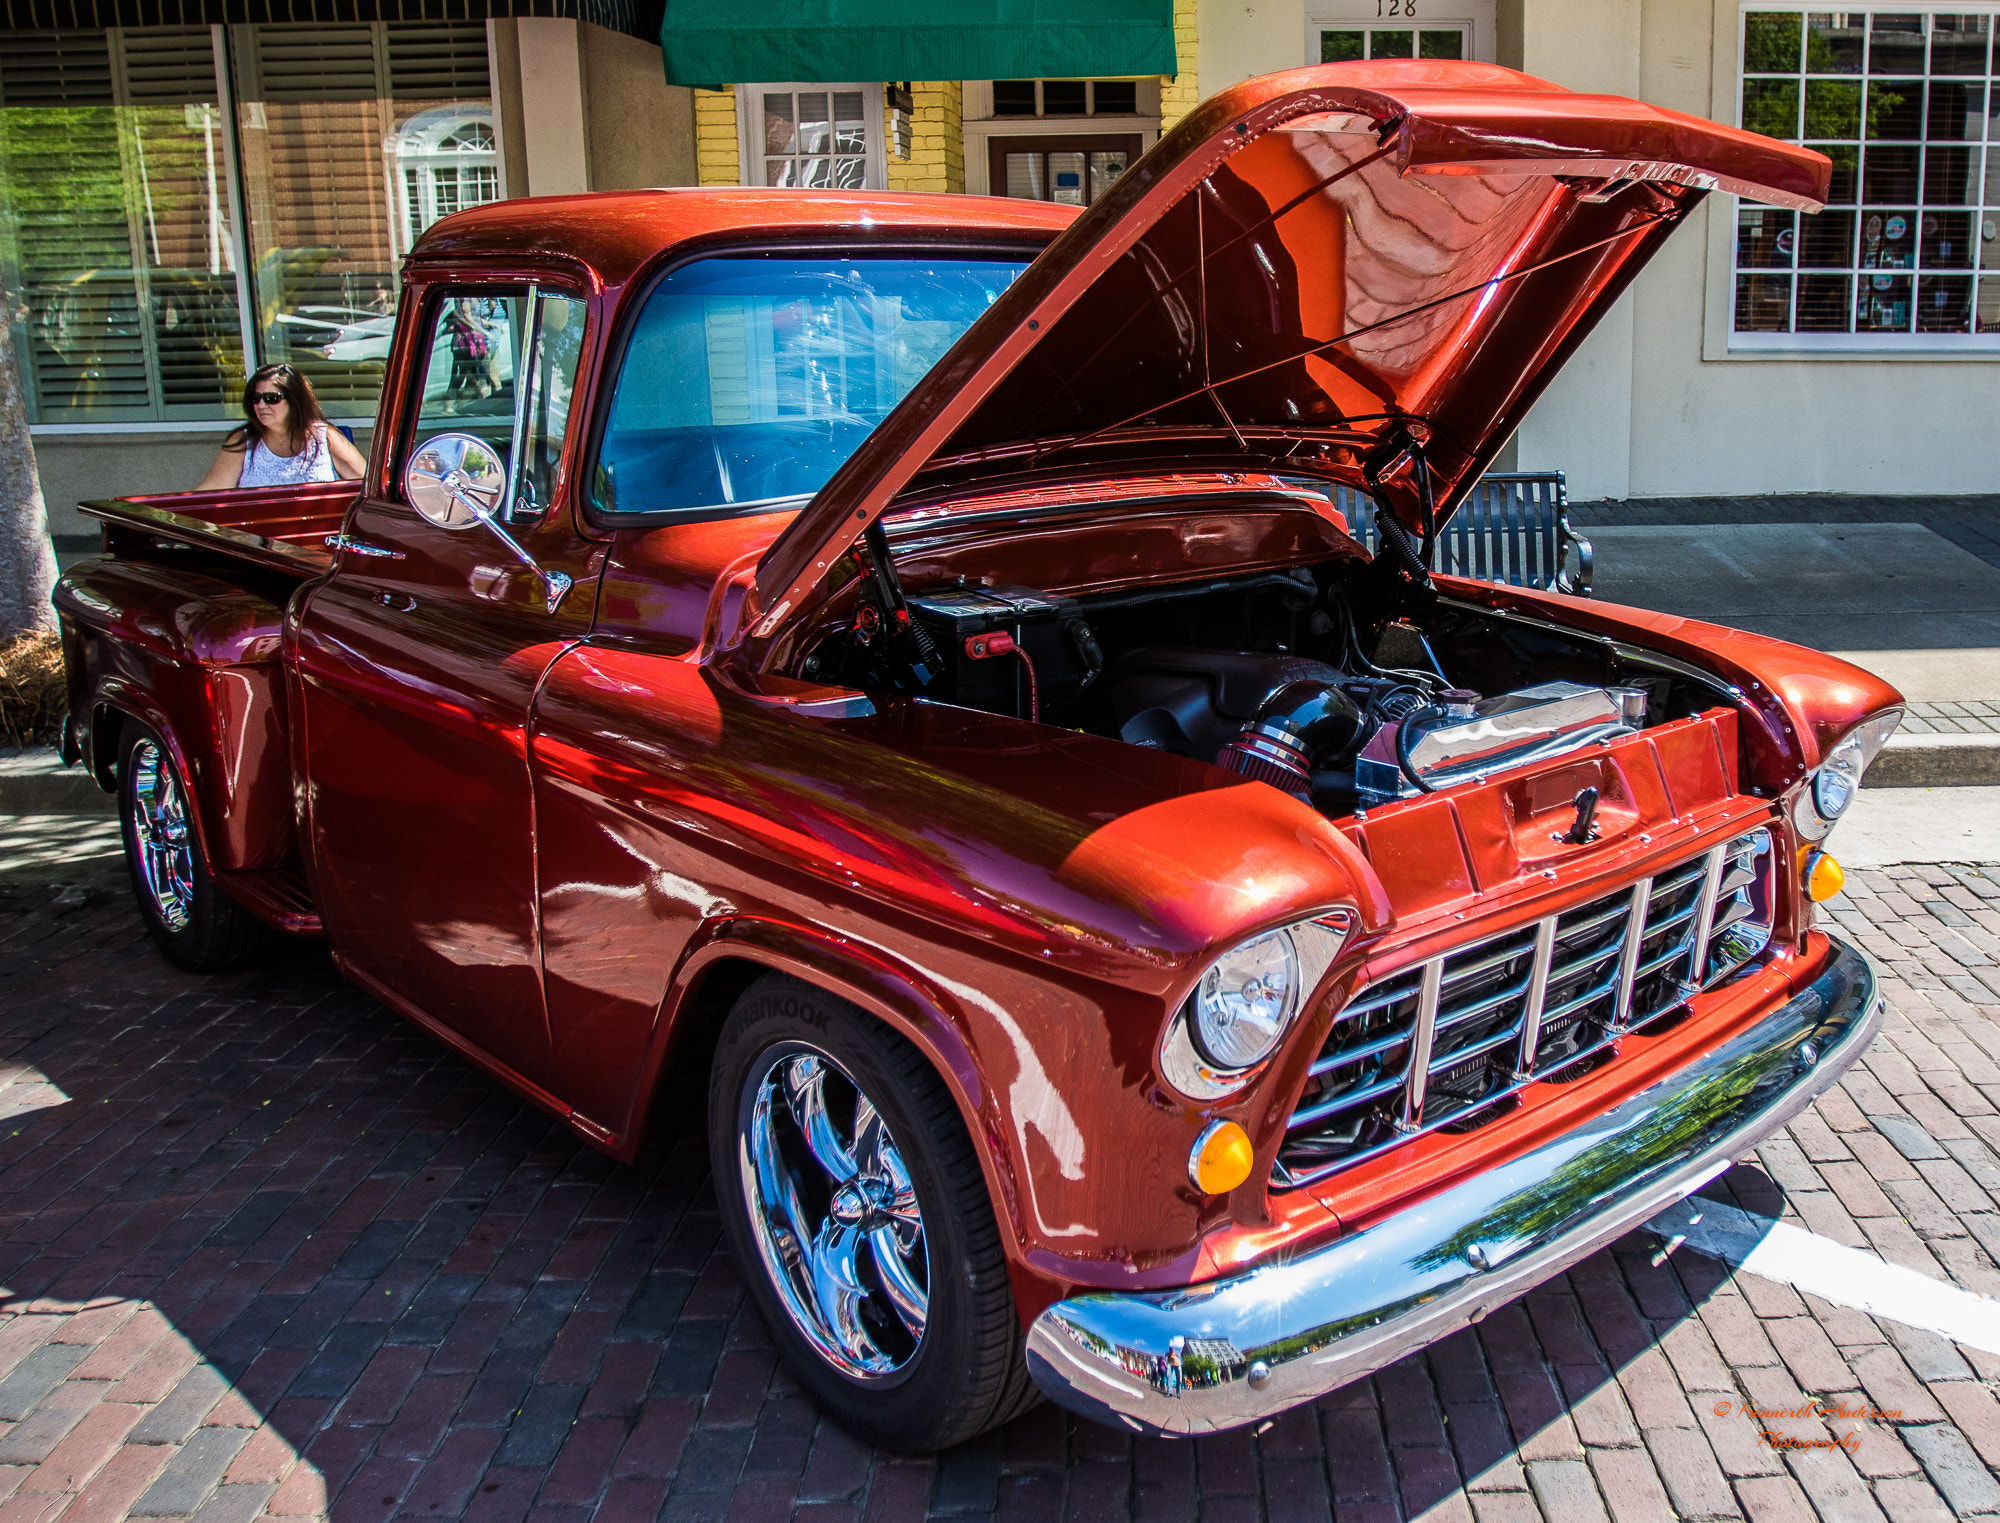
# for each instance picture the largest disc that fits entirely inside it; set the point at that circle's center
(1363, 272)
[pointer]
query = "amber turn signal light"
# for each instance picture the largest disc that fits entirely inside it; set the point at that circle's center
(1222, 1158)
(1824, 878)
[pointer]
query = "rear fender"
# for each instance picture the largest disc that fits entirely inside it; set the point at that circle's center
(196, 659)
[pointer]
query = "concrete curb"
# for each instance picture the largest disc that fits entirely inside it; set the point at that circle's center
(1937, 761)
(36, 782)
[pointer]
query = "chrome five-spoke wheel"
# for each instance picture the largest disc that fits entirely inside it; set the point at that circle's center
(861, 1221)
(164, 861)
(833, 1213)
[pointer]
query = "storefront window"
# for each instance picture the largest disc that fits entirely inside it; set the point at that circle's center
(116, 233)
(1901, 102)
(161, 247)
(354, 139)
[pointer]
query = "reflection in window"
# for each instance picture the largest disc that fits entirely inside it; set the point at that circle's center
(750, 381)
(119, 227)
(355, 137)
(1901, 102)
(448, 160)
(1352, 44)
(1068, 177)
(116, 226)
(816, 139)
(474, 358)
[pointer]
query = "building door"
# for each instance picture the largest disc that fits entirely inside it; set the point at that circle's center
(1070, 171)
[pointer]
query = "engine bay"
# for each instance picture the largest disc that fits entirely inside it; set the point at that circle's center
(1336, 681)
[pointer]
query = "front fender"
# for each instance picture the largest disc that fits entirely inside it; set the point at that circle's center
(1028, 905)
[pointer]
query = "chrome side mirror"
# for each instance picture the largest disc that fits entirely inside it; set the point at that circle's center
(455, 481)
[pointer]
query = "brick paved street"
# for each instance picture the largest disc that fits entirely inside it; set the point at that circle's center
(268, 1252)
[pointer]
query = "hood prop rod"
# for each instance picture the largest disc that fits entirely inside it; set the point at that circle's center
(920, 657)
(1394, 535)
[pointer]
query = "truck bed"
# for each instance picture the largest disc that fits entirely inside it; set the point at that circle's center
(280, 528)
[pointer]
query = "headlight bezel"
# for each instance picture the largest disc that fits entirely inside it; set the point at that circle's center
(1826, 793)
(1314, 942)
(1232, 1027)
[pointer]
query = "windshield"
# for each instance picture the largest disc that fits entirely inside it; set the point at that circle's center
(749, 380)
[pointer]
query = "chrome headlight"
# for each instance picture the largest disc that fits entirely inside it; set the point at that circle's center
(1244, 1004)
(1245, 1001)
(1832, 786)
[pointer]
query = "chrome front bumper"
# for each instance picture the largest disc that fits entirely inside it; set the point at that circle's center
(1310, 1326)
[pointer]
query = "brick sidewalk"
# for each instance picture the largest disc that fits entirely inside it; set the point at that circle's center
(268, 1252)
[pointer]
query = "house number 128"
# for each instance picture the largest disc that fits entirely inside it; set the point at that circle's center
(1395, 7)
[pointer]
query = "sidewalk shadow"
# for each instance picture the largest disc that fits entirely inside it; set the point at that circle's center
(405, 1292)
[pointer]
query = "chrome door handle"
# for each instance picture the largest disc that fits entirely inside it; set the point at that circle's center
(360, 547)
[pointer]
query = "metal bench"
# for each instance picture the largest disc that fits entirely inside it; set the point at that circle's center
(1513, 527)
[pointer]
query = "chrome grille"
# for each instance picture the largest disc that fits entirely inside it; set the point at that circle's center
(1445, 1043)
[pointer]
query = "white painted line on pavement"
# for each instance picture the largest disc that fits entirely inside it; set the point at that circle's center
(1832, 1271)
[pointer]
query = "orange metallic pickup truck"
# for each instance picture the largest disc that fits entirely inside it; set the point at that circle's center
(898, 658)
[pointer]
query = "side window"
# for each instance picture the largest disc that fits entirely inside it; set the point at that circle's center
(501, 364)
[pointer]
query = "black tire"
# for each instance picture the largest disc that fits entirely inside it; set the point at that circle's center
(967, 1371)
(197, 925)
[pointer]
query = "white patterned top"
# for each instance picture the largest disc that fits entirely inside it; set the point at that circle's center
(262, 468)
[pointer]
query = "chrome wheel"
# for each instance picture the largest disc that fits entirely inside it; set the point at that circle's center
(833, 1212)
(163, 855)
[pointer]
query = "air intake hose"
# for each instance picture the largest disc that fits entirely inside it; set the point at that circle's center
(1299, 724)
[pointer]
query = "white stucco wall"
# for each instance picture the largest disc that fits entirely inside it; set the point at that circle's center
(1653, 405)
(1240, 39)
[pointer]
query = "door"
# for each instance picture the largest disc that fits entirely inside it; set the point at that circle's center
(416, 664)
(1070, 171)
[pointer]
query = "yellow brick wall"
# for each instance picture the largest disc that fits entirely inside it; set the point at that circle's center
(937, 139)
(717, 159)
(1179, 94)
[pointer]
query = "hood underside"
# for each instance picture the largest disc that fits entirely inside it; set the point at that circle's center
(1362, 272)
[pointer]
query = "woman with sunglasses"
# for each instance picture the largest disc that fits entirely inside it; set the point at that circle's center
(286, 441)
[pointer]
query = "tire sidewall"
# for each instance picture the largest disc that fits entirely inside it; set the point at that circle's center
(924, 1396)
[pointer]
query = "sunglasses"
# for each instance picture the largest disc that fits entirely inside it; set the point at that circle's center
(268, 398)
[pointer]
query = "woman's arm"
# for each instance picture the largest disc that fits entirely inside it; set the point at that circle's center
(224, 473)
(348, 462)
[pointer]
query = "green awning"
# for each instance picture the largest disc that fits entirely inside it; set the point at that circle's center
(834, 41)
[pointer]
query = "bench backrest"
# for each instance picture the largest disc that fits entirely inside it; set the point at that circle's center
(1510, 528)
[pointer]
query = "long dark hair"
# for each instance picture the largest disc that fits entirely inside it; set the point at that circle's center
(295, 389)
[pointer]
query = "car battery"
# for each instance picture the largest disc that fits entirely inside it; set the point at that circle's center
(1047, 629)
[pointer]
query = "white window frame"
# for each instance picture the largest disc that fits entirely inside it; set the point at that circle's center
(1480, 18)
(1720, 340)
(750, 115)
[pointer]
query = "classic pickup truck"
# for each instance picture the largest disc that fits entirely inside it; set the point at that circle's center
(898, 659)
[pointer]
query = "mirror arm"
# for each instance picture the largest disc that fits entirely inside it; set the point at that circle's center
(555, 584)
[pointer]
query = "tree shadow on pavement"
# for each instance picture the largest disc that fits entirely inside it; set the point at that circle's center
(270, 1251)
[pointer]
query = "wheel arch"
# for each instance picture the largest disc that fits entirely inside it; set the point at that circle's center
(715, 974)
(116, 707)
